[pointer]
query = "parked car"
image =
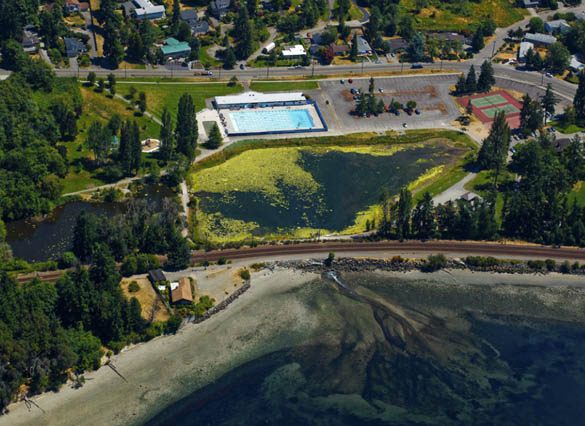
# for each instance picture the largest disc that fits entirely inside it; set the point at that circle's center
(242, 66)
(397, 112)
(352, 91)
(417, 112)
(409, 111)
(549, 75)
(375, 114)
(416, 66)
(404, 125)
(381, 90)
(350, 80)
(342, 81)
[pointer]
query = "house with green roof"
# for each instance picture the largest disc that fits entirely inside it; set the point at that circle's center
(175, 48)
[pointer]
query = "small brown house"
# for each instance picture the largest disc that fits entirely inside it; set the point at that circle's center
(182, 294)
(339, 49)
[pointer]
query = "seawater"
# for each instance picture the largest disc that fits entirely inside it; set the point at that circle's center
(401, 352)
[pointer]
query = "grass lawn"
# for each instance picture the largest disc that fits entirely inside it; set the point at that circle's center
(571, 128)
(577, 193)
(454, 17)
(96, 106)
(159, 96)
(483, 184)
(283, 86)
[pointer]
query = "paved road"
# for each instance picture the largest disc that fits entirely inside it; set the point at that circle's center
(455, 192)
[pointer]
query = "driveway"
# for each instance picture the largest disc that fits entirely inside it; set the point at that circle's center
(455, 192)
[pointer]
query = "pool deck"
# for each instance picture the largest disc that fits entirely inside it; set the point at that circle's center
(226, 122)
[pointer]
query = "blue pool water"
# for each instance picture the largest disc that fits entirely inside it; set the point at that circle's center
(270, 120)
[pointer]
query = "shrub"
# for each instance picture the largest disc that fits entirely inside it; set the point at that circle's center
(550, 264)
(536, 264)
(481, 261)
(173, 324)
(258, 266)
(221, 261)
(67, 260)
(330, 258)
(565, 267)
(245, 274)
(434, 263)
(133, 287)
(397, 259)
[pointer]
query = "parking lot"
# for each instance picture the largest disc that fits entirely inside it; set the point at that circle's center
(431, 94)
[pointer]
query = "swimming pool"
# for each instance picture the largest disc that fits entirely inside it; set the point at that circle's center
(271, 120)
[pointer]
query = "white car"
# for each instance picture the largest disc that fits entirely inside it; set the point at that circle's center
(381, 90)
(404, 125)
(549, 75)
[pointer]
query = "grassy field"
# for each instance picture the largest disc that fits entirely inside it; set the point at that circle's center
(296, 191)
(159, 96)
(283, 86)
(97, 106)
(571, 128)
(460, 16)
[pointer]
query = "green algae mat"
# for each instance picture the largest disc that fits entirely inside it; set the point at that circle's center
(296, 192)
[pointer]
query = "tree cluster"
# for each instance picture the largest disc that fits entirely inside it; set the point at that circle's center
(472, 84)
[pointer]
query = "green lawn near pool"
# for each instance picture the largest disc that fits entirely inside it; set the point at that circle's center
(161, 95)
(283, 86)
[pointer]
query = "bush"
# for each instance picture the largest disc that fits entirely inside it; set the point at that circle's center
(173, 324)
(67, 260)
(550, 264)
(434, 263)
(245, 274)
(481, 261)
(133, 287)
(536, 264)
(330, 258)
(397, 259)
(258, 266)
(221, 261)
(565, 267)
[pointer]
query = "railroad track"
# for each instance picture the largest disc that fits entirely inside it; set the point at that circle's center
(389, 247)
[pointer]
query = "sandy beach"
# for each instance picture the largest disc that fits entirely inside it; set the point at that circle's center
(265, 319)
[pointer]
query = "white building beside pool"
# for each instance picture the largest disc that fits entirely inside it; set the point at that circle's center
(259, 100)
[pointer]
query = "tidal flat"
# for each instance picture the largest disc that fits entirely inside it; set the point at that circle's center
(447, 348)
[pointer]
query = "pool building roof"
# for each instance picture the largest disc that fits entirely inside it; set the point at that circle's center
(258, 98)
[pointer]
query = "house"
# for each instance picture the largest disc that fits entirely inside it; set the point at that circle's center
(339, 49)
(469, 196)
(575, 64)
(189, 15)
(74, 6)
(30, 39)
(530, 3)
(146, 10)
(363, 47)
(219, 8)
(73, 46)
(199, 27)
(448, 36)
(175, 48)
(540, 39)
(397, 44)
(181, 293)
(525, 46)
(156, 276)
(557, 25)
(294, 52)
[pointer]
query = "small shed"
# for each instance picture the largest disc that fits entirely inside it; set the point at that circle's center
(181, 293)
(156, 276)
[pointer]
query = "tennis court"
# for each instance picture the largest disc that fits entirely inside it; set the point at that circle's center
(508, 109)
(488, 100)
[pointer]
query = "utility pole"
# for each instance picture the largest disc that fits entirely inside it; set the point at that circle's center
(313, 72)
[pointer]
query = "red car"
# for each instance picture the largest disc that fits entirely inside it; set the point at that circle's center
(350, 80)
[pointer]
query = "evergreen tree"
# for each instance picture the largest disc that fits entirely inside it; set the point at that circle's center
(243, 28)
(186, 130)
(477, 42)
(176, 18)
(215, 140)
(416, 47)
(353, 52)
(125, 148)
(402, 213)
(461, 86)
(229, 58)
(167, 138)
(135, 148)
(486, 77)
(423, 218)
(548, 101)
(471, 81)
(579, 99)
(494, 149)
(99, 141)
(142, 102)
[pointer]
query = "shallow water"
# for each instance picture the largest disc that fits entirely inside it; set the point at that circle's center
(411, 353)
(46, 239)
